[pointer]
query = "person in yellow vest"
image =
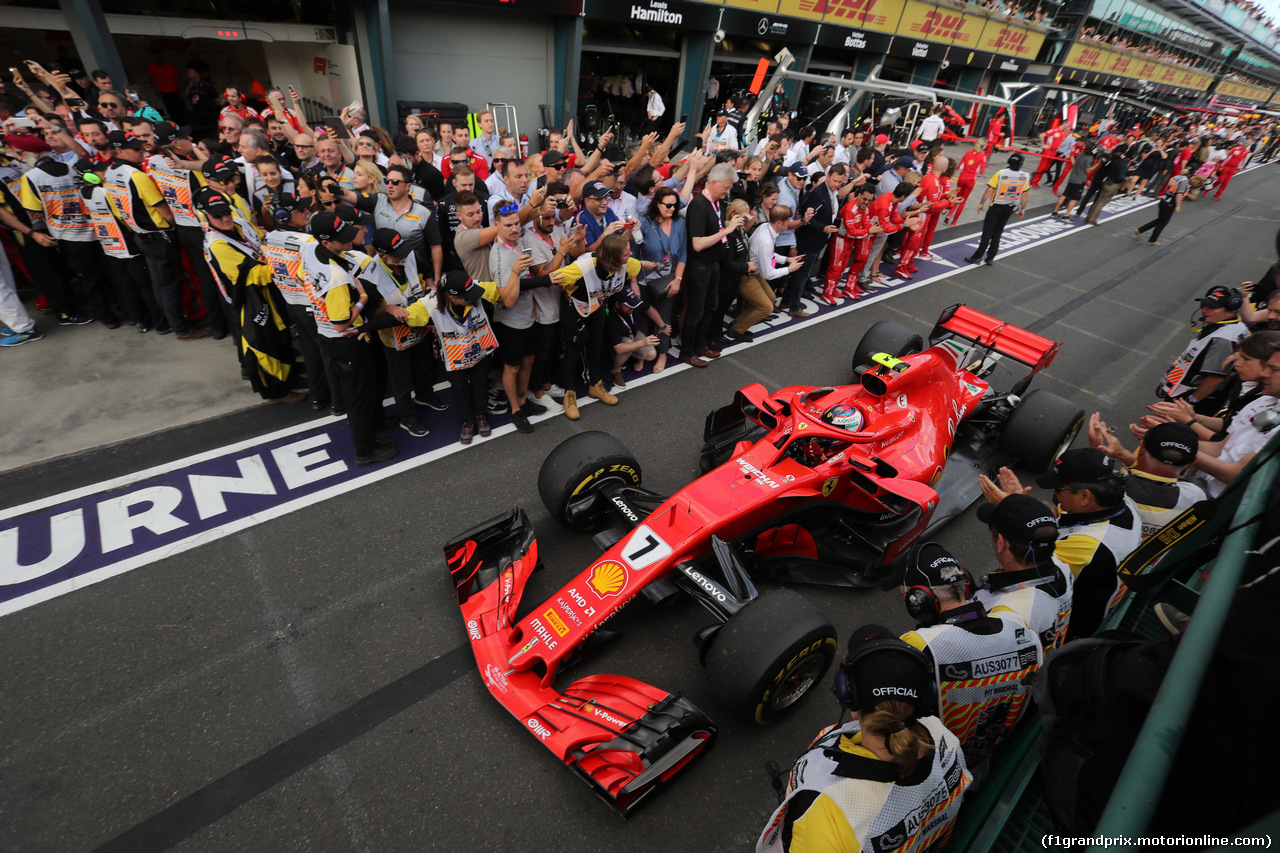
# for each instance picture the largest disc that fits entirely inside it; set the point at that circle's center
(138, 203)
(340, 303)
(983, 660)
(221, 174)
(235, 258)
(50, 192)
(465, 334)
(177, 173)
(282, 247)
(1030, 580)
(124, 265)
(392, 271)
(1098, 526)
(588, 283)
(891, 777)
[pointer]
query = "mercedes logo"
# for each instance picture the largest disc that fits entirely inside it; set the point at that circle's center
(763, 27)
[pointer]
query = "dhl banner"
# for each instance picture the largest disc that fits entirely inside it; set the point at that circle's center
(1243, 91)
(933, 23)
(880, 16)
(1002, 38)
(1088, 57)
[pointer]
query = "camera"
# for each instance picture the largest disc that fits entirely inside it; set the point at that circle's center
(719, 36)
(562, 203)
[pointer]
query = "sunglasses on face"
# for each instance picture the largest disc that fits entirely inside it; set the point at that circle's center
(394, 182)
(329, 203)
(666, 204)
(223, 127)
(457, 162)
(108, 103)
(304, 147)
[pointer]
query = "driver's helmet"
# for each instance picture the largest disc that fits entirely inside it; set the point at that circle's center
(843, 416)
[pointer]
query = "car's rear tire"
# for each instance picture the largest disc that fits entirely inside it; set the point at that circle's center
(1040, 428)
(576, 469)
(886, 336)
(770, 655)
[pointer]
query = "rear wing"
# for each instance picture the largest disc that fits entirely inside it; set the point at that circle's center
(1026, 347)
(983, 330)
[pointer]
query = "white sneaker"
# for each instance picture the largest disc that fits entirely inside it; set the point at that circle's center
(552, 406)
(554, 391)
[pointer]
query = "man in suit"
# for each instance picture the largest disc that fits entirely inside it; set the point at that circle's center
(824, 200)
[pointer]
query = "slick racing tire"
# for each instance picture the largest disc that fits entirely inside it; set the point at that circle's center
(889, 337)
(572, 474)
(1040, 429)
(770, 655)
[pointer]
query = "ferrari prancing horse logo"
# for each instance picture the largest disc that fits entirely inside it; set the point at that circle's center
(829, 486)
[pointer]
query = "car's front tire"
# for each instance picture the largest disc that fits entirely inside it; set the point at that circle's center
(770, 655)
(573, 473)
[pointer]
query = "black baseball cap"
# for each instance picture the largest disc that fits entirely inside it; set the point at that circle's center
(1020, 518)
(167, 132)
(389, 242)
(1218, 297)
(213, 202)
(219, 168)
(553, 158)
(931, 565)
(120, 139)
(1171, 443)
(595, 189)
(458, 283)
(1084, 465)
(628, 297)
(889, 673)
(328, 225)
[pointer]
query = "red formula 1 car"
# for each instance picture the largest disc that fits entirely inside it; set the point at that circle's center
(820, 485)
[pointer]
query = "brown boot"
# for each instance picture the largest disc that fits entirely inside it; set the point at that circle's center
(571, 405)
(602, 395)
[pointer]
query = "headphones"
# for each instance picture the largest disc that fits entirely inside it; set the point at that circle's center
(1234, 300)
(922, 604)
(845, 686)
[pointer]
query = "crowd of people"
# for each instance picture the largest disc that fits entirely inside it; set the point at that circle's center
(927, 711)
(1149, 50)
(1256, 11)
(577, 268)
(1129, 43)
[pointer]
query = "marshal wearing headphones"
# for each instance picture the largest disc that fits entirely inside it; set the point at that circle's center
(891, 777)
(1198, 372)
(983, 662)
